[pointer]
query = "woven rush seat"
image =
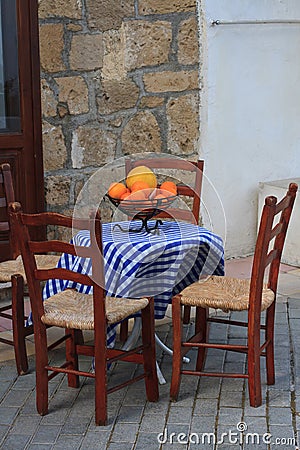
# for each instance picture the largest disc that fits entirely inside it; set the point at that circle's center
(72, 309)
(15, 266)
(228, 294)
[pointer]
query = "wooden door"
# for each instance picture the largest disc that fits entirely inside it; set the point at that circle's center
(20, 111)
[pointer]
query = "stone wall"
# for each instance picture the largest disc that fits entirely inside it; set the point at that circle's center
(118, 77)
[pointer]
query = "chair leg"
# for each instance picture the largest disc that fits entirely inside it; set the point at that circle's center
(101, 378)
(186, 314)
(71, 355)
(124, 330)
(270, 317)
(177, 339)
(18, 324)
(254, 380)
(41, 361)
(149, 353)
(201, 327)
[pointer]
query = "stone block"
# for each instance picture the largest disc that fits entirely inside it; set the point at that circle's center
(183, 121)
(54, 149)
(117, 95)
(114, 55)
(147, 43)
(51, 47)
(57, 190)
(168, 81)
(147, 7)
(64, 8)
(141, 134)
(108, 14)
(74, 92)
(92, 146)
(86, 52)
(151, 101)
(48, 100)
(188, 50)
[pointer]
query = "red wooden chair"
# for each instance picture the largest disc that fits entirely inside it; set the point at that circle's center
(231, 294)
(75, 312)
(12, 271)
(190, 213)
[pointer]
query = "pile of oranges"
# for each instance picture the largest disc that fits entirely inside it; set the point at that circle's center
(141, 184)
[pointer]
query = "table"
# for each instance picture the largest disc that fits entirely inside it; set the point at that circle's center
(158, 264)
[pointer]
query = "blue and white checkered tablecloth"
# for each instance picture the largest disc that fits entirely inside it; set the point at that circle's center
(147, 264)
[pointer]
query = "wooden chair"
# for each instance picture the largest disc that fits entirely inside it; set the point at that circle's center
(184, 190)
(12, 271)
(230, 294)
(76, 312)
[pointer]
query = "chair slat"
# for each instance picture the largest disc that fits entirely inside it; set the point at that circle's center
(276, 230)
(3, 203)
(4, 226)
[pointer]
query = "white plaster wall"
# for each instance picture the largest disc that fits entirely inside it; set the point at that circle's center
(250, 110)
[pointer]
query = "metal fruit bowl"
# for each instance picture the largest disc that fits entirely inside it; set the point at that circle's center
(143, 210)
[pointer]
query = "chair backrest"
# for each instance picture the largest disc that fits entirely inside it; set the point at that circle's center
(269, 244)
(21, 224)
(7, 196)
(185, 190)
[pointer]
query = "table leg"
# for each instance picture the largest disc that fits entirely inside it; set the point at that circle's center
(133, 338)
(134, 335)
(168, 350)
(161, 378)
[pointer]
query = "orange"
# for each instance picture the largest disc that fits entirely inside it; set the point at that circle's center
(166, 193)
(116, 190)
(125, 195)
(141, 173)
(169, 186)
(139, 185)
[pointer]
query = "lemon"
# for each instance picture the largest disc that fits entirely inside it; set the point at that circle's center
(141, 173)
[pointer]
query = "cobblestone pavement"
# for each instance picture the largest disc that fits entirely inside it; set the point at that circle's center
(210, 413)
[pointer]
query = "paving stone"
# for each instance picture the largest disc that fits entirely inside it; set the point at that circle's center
(282, 436)
(28, 424)
(15, 398)
(175, 434)
(230, 416)
(280, 416)
(7, 415)
(234, 399)
(255, 424)
(147, 441)
(120, 446)
(152, 422)
(67, 442)
(56, 417)
(179, 415)
(125, 432)
(16, 441)
(3, 431)
(75, 425)
(94, 440)
(206, 407)
(253, 412)
(203, 424)
(130, 414)
(209, 387)
(46, 434)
